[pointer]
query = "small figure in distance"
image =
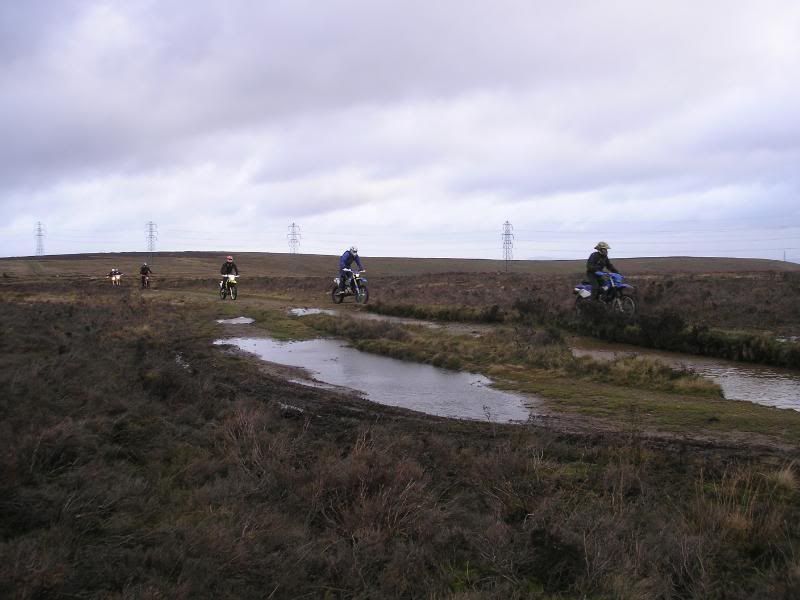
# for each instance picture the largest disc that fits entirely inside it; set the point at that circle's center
(145, 271)
(344, 263)
(598, 261)
(228, 267)
(115, 275)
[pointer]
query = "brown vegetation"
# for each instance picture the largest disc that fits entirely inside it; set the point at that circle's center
(139, 461)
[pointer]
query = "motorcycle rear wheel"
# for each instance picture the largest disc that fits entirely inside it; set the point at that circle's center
(580, 307)
(222, 293)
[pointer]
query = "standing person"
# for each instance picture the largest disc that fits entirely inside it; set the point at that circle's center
(145, 271)
(115, 275)
(344, 263)
(228, 267)
(598, 261)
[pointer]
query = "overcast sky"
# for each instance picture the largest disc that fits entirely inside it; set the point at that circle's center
(413, 128)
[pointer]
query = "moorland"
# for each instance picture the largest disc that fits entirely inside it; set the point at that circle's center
(140, 460)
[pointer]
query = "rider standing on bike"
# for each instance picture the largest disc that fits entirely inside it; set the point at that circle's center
(598, 261)
(228, 267)
(344, 263)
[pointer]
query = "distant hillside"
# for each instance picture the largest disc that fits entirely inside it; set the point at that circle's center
(260, 264)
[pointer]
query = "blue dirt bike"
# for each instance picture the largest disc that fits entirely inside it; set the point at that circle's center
(615, 295)
(355, 284)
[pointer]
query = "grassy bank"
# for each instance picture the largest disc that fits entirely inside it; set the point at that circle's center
(661, 329)
(667, 330)
(522, 346)
(140, 461)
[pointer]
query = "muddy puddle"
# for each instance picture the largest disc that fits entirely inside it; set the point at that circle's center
(760, 384)
(302, 312)
(237, 321)
(394, 382)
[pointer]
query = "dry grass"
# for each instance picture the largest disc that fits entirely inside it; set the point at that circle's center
(126, 474)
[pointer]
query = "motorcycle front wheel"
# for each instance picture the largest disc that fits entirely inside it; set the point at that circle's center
(335, 295)
(624, 305)
(362, 297)
(234, 291)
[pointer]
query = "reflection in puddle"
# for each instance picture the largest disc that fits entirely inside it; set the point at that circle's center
(393, 382)
(237, 321)
(760, 384)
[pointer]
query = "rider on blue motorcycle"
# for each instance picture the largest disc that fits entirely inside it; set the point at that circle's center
(344, 263)
(598, 261)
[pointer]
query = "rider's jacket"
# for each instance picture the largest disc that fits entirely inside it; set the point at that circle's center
(597, 262)
(145, 270)
(347, 259)
(228, 268)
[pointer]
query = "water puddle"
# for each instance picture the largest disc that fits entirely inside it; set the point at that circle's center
(302, 312)
(394, 382)
(237, 321)
(760, 384)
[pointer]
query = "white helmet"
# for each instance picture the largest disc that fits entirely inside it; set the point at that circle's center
(353, 250)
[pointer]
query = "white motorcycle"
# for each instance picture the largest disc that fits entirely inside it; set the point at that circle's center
(229, 285)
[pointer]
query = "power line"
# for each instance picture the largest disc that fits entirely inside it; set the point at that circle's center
(294, 238)
(39, 238)
(508, 242)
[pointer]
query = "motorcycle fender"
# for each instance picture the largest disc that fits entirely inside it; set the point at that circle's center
(362, 280)
(336, 280)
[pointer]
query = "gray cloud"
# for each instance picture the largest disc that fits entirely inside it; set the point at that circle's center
(306, 110)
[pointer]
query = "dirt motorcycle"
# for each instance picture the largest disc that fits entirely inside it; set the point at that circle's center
(355, 284)
(229, 285)
(145, 281)
(615, 295)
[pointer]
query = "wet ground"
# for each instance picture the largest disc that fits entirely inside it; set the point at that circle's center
(474, 329)
(760, 384)
(236, 321)
(393, 382)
